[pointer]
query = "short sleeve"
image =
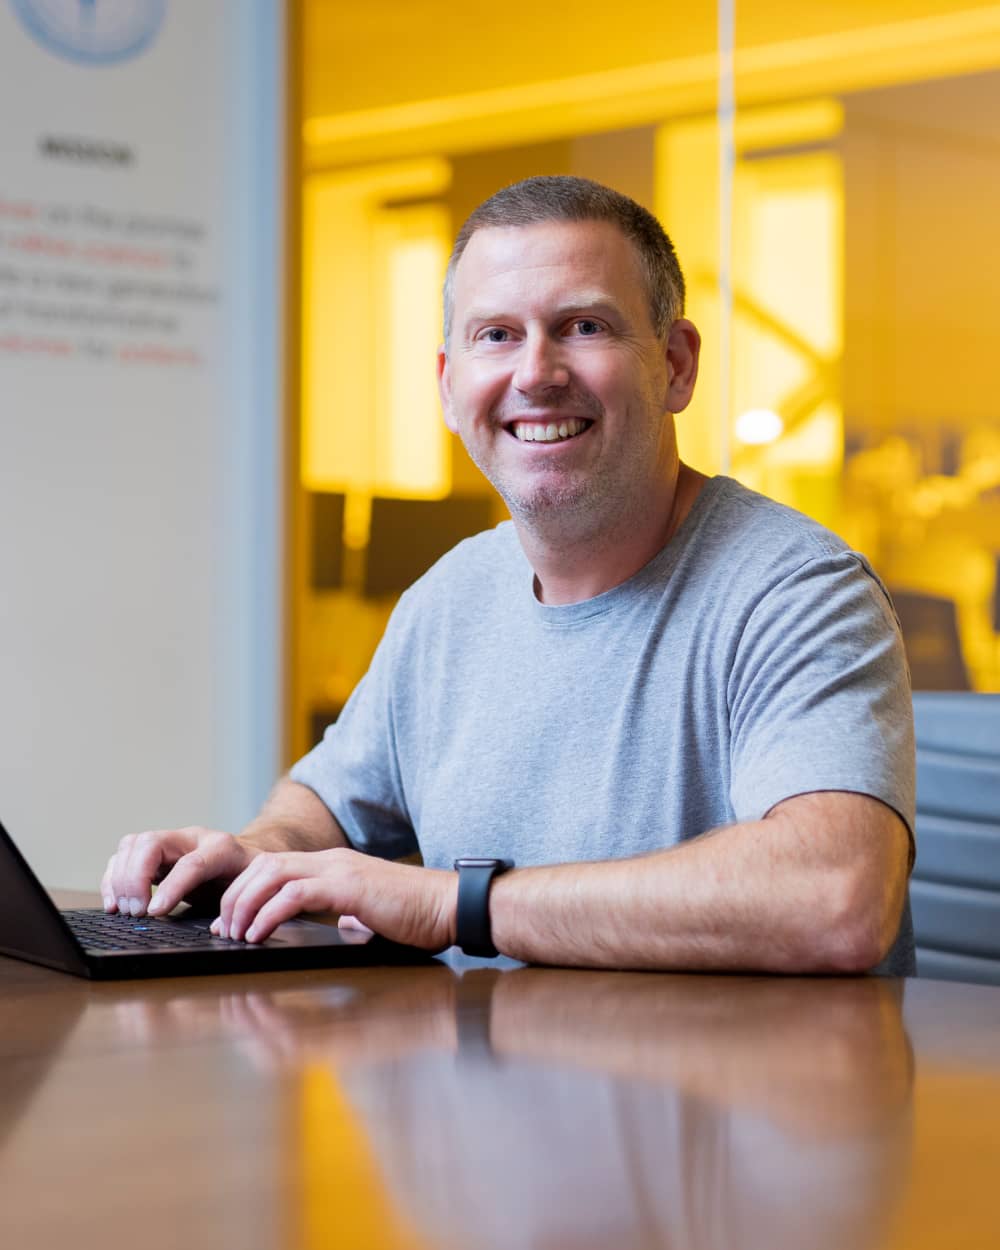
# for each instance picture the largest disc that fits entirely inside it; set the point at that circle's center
(819, 694)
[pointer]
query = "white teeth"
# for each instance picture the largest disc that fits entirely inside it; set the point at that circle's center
(550, 433)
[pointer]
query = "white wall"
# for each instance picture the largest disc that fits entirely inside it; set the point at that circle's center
(139, 462)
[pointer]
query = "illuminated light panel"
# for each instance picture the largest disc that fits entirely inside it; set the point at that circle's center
(372, 276)
(836, 61)
(411, 446)
(758, 426)
(802, 122)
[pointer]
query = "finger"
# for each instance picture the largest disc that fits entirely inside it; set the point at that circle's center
(128, 895)
(137, 864)
(352, 922)
(311, 894)
(107, 889)
(251, 890)
(214, 855)
(146, 854)
(118, 868)
(221, 925)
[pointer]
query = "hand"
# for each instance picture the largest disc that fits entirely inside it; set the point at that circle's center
(179, 859)
(402, 902)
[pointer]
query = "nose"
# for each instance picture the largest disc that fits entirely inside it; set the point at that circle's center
(540, 365)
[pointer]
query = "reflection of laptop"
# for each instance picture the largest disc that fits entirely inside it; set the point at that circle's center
(89, 943)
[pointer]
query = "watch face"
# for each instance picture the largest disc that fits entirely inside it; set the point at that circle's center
(470, 861)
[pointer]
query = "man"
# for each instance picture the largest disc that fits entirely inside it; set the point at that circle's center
(642, 657)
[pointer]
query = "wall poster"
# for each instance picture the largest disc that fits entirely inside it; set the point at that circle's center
(138, 258)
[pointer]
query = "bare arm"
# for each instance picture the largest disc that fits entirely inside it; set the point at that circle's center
(816, 886)
(293, 818)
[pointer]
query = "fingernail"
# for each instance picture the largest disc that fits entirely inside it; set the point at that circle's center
(123, 906)
(156, 905)
(215, 926)
(109, 902)
(251, 934)
(135, 906)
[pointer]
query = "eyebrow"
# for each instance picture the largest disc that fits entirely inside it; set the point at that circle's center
(585, 301)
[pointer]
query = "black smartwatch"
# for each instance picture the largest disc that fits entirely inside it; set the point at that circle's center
(472, 923)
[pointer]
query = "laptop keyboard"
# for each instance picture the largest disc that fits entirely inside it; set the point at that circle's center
(100, 931)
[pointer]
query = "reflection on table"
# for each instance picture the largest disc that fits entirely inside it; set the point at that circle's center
(417, 1108)
(542, 1108)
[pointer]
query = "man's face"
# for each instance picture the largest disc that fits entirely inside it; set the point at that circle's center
(554, 377)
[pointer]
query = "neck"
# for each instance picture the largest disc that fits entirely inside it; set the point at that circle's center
(574, 563)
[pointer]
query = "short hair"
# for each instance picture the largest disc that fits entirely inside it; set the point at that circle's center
(565, 198)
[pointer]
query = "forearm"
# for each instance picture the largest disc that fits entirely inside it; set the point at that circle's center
(293, 818)
(783, 894)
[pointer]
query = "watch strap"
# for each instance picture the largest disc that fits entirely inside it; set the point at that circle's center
(473, 932)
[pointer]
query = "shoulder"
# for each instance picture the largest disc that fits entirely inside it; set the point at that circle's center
(803, 606)
(765, 544)
(738, 516)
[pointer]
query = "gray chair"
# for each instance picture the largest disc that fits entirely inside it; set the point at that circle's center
(955, 891)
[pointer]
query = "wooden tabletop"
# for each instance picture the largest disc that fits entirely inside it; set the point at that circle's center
(411, 1109)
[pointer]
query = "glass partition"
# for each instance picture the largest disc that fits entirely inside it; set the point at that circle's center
(864, 323)
(830, 177)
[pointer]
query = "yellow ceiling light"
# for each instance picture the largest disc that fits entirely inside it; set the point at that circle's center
(758, 426)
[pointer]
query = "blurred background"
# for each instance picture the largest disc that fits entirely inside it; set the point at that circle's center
(830, 177)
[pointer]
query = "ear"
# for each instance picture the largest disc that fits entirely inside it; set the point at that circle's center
(444, 389)
(683, 350)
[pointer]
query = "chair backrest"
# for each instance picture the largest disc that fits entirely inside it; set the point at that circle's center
(955, 891)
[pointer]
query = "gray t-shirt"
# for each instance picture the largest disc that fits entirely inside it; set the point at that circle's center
(754, 658)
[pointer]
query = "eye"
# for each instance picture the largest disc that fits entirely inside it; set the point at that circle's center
(586, 327)
(494, 334)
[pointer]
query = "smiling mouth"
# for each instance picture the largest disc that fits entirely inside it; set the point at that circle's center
(548, 431)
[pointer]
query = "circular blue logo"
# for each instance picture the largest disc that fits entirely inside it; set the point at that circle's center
(95, 32)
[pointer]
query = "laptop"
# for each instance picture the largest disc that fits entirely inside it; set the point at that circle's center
(88, 942)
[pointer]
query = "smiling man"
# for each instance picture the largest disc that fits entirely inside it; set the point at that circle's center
(665, 721)
(561, 387)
